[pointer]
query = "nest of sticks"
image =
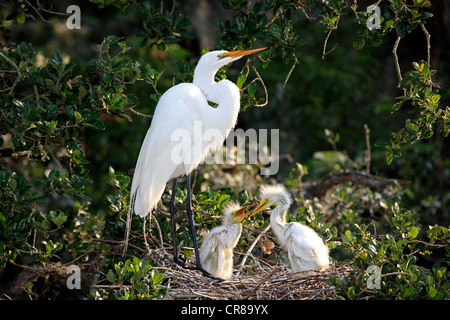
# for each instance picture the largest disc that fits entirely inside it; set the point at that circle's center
(260, 280)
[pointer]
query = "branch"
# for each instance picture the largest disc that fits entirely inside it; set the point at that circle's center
(258, 78)
(290, 72)
(428, 37)
(368, 148)
(250, 248)
(320, 188)
(397, 66)
(40, 7)
(136, 113)
(19, 74)
(324, 52)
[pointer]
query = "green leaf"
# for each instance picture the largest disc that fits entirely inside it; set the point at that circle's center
(359, 44)
(351, 292)
(157, 278)
(58, 218)
(223, 198)
(412, 127)
(348, 237)
(252, 89)
(45, 224)
(413, 232)
(57, 57)
(397, 106)
(111, 276)
(20, 18)
(381, 143)
(432, 291)
(124, 182)
(240, 81)
(408, 292)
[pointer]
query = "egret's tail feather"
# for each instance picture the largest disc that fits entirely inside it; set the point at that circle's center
(128, 225)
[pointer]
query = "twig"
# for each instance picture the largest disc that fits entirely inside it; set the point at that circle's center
(36, 93)
(260, 284)
(320, 188)
(324, 52)
(369, 149)
(258, 78)
(202, 295)
(397, 66)
(41, 8)
(428, 37)
(250, 248)
(152, 216)
(290, 72)
(118, 242)
(60, 166)
(385, 275)
(124, 116)
(137, 113)
(19, 74)
(275, 16)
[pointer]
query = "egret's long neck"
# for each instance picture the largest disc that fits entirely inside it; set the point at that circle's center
(223, 92)
(204, 80)
(278, 221)
(226, 95)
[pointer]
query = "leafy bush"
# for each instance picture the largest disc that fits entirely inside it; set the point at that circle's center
(68, 99)
(137, 280)
(396, 254)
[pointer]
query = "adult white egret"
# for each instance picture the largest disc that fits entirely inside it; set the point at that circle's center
(216, 251)
(306, 250)
(183, 113)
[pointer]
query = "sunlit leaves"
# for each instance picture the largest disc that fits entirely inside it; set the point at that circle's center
(421, 95)
(395, 256)
(137, 280)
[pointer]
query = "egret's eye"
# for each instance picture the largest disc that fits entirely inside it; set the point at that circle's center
(221, 56)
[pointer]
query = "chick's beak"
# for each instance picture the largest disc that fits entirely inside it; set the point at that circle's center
(240, 53)
(240, 214)
(260, 207)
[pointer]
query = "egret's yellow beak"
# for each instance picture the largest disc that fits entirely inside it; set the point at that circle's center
(239, 53)
(240, 214)
(260, 207)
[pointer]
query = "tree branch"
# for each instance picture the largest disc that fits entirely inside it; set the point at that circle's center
(320, 188)
(19, 74)
(397, 66)
(136, 113)
(290, 72)
(428, 37)
(324, 52)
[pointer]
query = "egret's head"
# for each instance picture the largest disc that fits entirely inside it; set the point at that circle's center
(272, 195)
(234, 213)
(215, 60)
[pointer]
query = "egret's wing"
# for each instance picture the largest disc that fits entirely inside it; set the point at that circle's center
(216, 251)
(174, 116)
(305, 244)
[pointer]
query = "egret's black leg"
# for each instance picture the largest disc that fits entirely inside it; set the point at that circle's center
(191, 224)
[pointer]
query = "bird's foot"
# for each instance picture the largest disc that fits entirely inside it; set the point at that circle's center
(182, 263)
(207, 274)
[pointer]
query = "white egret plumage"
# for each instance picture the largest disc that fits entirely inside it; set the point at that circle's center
(216, 251)
(179, 111)
(305, 248)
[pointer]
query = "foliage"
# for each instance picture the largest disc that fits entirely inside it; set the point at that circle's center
(396, 255)
(136, 279)
(67, 140)
(422, 93)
